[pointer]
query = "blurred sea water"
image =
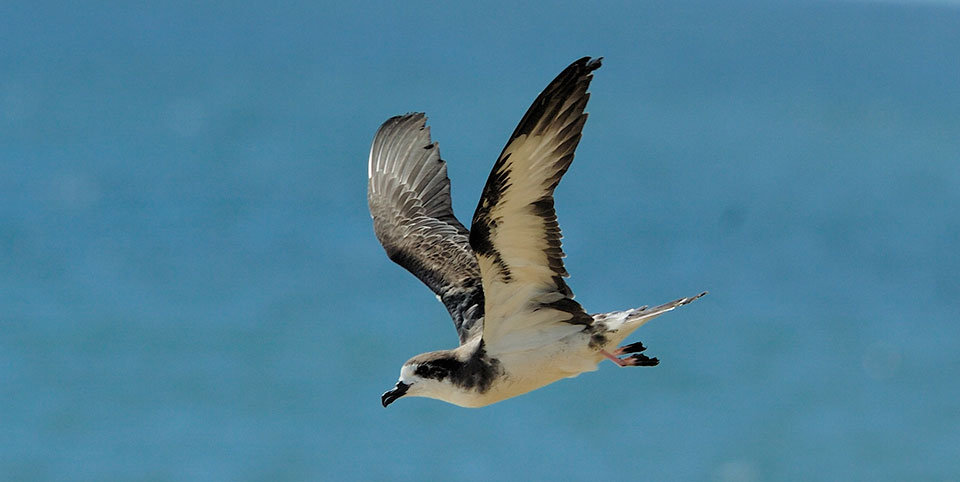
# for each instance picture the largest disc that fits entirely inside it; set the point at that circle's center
(190, 288)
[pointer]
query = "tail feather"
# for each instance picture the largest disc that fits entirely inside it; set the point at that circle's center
(646, 314)
(625, 322)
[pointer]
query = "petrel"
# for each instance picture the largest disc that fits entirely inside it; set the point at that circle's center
(503, 280)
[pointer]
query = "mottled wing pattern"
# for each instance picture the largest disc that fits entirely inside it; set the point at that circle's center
(409, 198)
(514, 231)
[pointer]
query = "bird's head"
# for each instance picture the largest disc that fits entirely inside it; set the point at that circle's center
(426, 375)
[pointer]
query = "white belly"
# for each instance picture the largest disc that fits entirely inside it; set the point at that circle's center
(529, 370)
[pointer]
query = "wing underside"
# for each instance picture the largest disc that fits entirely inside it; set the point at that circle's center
(514, 233)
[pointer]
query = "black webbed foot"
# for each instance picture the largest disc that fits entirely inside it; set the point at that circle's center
(641, 360)
(632, 348)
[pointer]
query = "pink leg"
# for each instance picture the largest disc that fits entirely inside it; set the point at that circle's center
(614, 358)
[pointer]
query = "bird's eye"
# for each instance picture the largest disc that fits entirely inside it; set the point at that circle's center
(432, 370)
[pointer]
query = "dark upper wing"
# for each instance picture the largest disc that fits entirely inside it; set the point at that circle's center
(515, 233)
(409, 196)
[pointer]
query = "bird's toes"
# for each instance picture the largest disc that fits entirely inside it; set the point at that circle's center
(641, 360)
(632, 348)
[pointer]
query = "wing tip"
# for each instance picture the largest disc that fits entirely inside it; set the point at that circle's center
(408, 117)
(405, 122)
(591, 64)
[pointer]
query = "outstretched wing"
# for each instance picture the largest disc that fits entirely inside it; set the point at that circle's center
(515, 233)
(409, 197)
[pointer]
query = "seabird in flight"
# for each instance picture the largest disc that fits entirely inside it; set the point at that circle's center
(503, 280)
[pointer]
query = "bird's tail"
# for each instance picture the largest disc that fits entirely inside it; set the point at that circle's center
(625, 322)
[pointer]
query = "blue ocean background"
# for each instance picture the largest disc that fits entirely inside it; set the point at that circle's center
(190, 287)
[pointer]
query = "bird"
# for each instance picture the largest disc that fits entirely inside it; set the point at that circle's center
(503, 280)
